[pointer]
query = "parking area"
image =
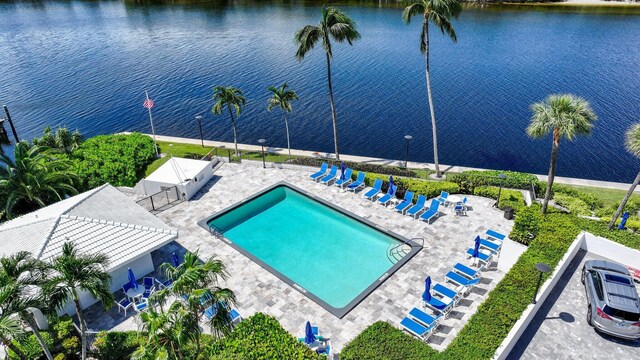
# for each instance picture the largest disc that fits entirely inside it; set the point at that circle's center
(560, 330)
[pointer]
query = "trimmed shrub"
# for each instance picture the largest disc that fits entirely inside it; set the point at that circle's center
(119, 159)
(382, 340)
(116, 345)
(526, 224)
(508, 198)
(260, 337)
(427, 188)
(574, 205)
(469, 180)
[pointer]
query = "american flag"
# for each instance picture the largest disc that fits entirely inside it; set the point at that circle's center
(148, 103)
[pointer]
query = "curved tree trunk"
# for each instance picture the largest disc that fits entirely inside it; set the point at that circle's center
(286, 125)
(624, 201)
(552, 169)
(333, 109)
(34, 327)
(83, 325)
(14, 348)
(433, 115)
(235, 133)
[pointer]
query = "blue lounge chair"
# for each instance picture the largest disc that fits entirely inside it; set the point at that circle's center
(418, 207)
(495, 235)
(384, 200)
(449, 293)
(460, 280)
(347, 178)
(424, 318)
(466, 271)
(324, 350)
(319, 174)
(331, 176)
(374, 191)
(354, 186)
(442, 306)
(443, 198)
(417, 330)
(490, 245)
(482, 257)
(432, 212)
(406, 203)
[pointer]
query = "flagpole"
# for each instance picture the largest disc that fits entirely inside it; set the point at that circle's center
(153, 131)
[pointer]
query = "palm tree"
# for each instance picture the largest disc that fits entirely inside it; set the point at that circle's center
(565, 116)
(168, 334)
(438, 12)
(231, 98)
(632, 143)
(199, 282)
(22, 273)
(73, 271)
(334, 25)
(63, 140)
(34, 179)
(9, 326)
(282, 98)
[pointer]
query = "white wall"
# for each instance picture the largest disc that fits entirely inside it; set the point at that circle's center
(140, 266)
(203, 177)
(611, 250)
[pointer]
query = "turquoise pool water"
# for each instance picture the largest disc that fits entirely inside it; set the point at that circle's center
(326, 252)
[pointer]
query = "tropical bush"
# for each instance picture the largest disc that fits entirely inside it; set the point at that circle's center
(508, 198)
(118, 159)
(116, 345)
(260, 337)
(30, 346)
(61, 140)
(469, 180)
(526, 224)
(574, 205)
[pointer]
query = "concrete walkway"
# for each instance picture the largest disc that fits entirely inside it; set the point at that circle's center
(380, 161)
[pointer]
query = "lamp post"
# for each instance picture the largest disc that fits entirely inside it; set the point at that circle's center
(262, 141)
(199, 120)
(501, 177)
(542, 268)
(407, 139)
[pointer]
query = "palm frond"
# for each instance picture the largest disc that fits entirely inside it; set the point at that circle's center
(306, 39)
(632, 140)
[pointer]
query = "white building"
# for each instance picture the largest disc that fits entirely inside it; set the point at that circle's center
(188, 175)
(102, 220)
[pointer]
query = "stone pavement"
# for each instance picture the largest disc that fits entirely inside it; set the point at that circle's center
(560, 330)
(257, 290)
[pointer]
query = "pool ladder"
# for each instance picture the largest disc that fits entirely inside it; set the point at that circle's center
(216, 231)
(396, 252)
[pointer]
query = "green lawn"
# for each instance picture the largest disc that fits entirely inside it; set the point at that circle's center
(608, 196)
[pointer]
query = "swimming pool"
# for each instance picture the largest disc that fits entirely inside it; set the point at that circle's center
(330, 255)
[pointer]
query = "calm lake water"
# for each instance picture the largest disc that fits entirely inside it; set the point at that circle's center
(86, 65)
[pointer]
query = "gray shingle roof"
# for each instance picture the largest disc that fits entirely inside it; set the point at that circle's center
(102, 220)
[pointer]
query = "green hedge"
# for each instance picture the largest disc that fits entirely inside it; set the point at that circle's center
(591, 201)
(508, 198)
(382, 340)
(575, 205)
(120, 160)
(116, 345)
(260, 337)
(469, 180)
(526, 224)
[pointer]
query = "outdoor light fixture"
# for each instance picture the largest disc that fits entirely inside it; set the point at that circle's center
(262, 141)
(406, 153)
(501, 177)
(199, 120)
(542, 268)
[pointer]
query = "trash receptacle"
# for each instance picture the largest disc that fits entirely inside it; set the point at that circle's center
(508, 213)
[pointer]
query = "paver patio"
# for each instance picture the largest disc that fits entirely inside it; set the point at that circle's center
(257, 290)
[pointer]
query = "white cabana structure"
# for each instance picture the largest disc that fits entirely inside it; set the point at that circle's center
(102, 220)
(187, 175)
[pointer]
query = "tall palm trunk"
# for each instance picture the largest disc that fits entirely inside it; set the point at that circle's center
(235, 133)
(34, 327)
(333, 109)
(624, 201)
(14, 348)
(286, 125)
(552, 168)
(83, 325)
(433, 115)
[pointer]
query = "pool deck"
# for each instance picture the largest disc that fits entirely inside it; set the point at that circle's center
(380, 161)
(257, 290)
